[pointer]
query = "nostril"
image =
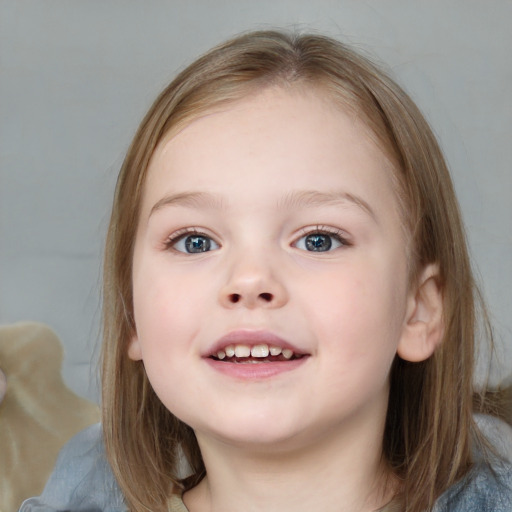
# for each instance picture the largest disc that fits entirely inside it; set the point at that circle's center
(235, 298)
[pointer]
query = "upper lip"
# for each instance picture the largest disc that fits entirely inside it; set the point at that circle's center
(251, 338)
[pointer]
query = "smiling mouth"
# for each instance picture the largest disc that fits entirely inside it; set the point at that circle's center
(261, 353)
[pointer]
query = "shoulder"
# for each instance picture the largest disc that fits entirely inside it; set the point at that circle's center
(487, 488)
(82, 479)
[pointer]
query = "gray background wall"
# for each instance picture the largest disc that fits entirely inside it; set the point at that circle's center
(77, 76)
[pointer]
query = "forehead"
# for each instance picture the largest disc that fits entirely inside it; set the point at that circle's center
(297, 112)
(279, 135)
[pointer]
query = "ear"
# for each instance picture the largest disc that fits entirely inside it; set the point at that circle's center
(423, 326)
(134, 349)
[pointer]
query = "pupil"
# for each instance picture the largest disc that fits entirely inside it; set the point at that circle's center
(197, 244)
(318, 242)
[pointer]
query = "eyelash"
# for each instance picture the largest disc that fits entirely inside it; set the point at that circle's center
(338, 235)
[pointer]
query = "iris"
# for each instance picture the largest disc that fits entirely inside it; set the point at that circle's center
(318, 242)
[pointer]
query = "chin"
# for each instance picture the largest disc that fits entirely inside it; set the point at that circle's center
(262, 434)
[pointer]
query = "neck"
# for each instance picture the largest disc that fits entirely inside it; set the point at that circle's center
(333, 474)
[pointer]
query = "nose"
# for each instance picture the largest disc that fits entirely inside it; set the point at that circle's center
(253, 284)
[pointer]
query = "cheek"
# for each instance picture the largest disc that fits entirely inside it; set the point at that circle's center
(161, 315)
(360, 310)
(159, 311)
(170, 305)
(164, 330)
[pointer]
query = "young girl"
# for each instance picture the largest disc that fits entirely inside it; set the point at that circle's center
(288, 302)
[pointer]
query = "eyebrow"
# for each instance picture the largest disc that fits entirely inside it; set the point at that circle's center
(189, 199)
(294, 200)
(313, 198)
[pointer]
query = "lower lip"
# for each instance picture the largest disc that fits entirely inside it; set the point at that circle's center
(255, 371)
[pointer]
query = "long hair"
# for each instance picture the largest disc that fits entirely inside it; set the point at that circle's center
(429, 426)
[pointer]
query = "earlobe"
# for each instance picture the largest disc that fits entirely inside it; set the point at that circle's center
(134, 350)
(423, 326)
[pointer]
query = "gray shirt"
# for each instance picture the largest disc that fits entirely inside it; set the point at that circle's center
(83, 482)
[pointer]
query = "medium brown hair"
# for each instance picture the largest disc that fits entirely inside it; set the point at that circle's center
(429, 427)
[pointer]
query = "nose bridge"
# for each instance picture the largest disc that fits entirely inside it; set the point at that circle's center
(253, 279)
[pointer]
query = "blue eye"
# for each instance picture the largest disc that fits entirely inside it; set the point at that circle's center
(319, 242)
(193, 244)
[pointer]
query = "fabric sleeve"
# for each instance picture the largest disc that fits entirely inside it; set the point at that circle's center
(81, 481)
(488, 488)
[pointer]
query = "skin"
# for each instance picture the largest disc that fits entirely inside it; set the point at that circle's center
(350, 309)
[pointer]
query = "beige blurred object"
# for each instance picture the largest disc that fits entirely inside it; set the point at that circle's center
(38, 413)
(3, 385)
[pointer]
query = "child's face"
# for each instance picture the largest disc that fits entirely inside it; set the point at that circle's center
(271, 222)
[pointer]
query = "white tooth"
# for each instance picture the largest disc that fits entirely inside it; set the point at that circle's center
(221, 354)
(242, 351)
(259, 351)
(287, 353)
(230, 350)
(275, 351)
